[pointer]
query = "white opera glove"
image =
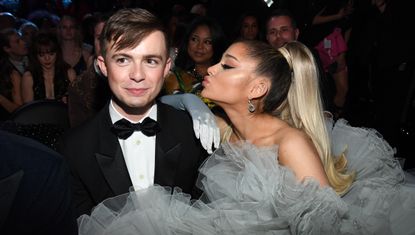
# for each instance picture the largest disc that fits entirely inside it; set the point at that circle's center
(204, 121)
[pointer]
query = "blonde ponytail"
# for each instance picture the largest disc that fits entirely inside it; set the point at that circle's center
(303, 109)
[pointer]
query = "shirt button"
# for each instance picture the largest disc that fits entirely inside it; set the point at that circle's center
(138, 142)
(141, 177)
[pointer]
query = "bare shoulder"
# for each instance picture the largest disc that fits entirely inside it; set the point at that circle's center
(295, 145)
(297, 151)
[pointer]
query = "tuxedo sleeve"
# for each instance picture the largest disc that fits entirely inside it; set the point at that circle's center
(81, 199)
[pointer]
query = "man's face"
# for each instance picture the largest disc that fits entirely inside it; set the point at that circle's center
(17, 47)
(280, 31)
(136, 75)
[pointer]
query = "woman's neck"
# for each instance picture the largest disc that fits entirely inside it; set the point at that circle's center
(253, 127)
(48, 73)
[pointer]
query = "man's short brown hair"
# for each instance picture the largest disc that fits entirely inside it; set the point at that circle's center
(128, 27)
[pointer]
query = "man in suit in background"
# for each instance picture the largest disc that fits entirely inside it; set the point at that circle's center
(35, 193)
(105, 154)
(281, 27)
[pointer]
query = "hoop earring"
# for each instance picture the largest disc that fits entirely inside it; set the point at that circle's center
(251, 107)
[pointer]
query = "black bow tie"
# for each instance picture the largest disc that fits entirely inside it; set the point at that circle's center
(124, 129)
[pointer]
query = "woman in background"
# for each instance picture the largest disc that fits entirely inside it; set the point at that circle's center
(48, 75)
(203, 44)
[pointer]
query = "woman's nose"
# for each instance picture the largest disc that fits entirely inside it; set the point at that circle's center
(212, 69)
(200, 45)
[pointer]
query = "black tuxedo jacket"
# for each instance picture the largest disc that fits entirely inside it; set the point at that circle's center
(35, 195)
(98, 167)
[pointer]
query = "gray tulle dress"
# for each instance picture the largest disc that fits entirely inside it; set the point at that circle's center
(247, 192)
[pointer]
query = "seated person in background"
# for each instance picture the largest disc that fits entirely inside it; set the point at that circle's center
(249, 27)
(34, 189)
(74, 51)
(203, 44)
(281, 28)
(15, 49)
(28, 30)
(48, 75)
(90, 91)
(10, 97)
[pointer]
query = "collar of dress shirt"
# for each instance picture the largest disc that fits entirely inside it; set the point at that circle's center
(115, 115)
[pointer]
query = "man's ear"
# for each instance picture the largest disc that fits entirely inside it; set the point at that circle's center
(297, 33)
(259, 88)
(168, 66)
(101, 65)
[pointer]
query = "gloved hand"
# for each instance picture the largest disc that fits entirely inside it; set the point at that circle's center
(204, 121)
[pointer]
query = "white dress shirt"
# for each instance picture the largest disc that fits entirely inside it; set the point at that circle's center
(139, 151)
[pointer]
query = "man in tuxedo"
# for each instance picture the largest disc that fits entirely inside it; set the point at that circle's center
(134, 140)
(35, 193)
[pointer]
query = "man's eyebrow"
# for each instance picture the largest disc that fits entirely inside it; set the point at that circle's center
(158, 56)
(121, 54)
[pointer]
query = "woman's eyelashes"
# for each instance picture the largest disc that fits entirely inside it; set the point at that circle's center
(225, 66)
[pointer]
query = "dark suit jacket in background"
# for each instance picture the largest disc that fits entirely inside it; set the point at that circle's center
(98, 167)
(35, 195)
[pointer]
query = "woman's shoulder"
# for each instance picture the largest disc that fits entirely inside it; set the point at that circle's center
(294, 143)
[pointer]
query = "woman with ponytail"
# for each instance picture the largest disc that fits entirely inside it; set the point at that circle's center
(283, 166)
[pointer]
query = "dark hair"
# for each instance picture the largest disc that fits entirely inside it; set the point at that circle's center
(238, 28)
(128, 27)
(282, 12)
(49, 41)
(272, 64)
(5, 37)
(219, 42)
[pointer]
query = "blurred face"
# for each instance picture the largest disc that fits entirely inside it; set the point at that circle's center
(136, 75)
(280, 31)
(97, 34)
(68, 29)
(229, 81)
(200, 45)
(249, 28)
(47, 58)
(17, 47)
(28, 33)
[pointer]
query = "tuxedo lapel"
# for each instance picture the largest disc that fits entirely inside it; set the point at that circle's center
(168, 150)
(110, 158)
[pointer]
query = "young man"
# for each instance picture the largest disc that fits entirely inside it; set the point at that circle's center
(106, 155)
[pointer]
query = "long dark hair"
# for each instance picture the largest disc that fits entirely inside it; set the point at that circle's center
(219, 42)
(50, 42)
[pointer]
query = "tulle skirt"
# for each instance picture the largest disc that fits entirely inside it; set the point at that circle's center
(246, 191)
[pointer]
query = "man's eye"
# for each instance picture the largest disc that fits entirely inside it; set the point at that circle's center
(121, 60)
(225, 66)
(152, 61)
